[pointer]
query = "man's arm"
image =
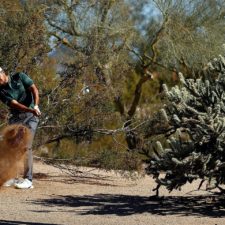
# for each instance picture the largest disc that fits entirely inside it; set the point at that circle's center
(33, 89)
(29, 84)
(16, 105)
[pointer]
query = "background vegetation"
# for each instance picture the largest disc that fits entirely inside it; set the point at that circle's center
(100, 66)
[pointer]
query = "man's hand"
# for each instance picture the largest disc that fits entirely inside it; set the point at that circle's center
(16, 105)
(37, 111)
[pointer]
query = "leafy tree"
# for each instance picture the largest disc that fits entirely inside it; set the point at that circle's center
(90, 40)
(175, 37)
(23, 39)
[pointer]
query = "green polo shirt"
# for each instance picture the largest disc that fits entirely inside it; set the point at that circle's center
(17, 89)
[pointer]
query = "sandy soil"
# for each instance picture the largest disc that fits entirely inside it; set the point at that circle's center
(95, 197)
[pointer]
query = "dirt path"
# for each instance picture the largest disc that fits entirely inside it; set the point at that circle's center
(100, 198)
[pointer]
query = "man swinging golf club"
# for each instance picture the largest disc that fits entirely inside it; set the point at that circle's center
(21, 95)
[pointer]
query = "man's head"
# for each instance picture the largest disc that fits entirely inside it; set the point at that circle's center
(3, 77)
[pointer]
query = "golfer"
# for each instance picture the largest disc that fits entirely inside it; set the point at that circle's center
(20, 94)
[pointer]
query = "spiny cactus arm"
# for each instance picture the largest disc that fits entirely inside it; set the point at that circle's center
(192, 110)
(222, 59)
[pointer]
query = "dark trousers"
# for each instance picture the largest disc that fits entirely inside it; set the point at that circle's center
(29, 120)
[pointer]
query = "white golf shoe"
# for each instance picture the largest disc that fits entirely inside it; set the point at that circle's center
(25, 184)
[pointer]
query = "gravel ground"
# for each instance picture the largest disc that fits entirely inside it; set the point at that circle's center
(95, 197)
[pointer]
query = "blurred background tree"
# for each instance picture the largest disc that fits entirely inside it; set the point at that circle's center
(23, 36)
(179, 35)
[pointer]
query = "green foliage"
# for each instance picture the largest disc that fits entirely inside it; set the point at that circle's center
(23, 36)
(93, 154)
(175, 36)
(117, 160)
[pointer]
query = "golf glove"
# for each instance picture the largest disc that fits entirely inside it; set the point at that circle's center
(38, 110)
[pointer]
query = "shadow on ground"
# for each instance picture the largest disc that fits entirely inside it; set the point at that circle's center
(84, 179)
(124, 205)
(8, 222)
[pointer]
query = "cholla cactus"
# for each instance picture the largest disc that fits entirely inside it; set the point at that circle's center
(195, 115)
